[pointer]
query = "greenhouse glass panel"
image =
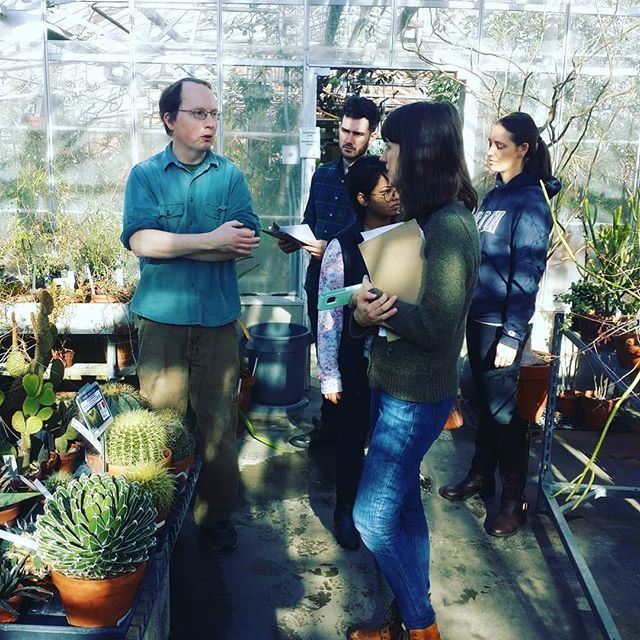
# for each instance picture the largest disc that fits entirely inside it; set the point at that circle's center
(262, 111)
(263, 31)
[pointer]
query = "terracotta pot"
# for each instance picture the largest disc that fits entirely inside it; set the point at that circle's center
(533, 382)
(121, 470)
(16, 603)
(180, 466)
(628, 350)
(98, 603)
(568, 402)
(48, 467)
(596, 410)
(71, 460)
(94, 462)
(104, 298)
(9, 514)
(455, 419)
(246, 387)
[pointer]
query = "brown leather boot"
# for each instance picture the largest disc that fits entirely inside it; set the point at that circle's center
(473, 484)
(511, 516)
(391, 629)
(428, 633)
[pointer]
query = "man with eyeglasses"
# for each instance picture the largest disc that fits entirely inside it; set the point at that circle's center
(329, 211)
(188, 215)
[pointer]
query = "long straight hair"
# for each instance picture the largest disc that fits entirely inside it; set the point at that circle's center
(522, 128)
(432, 170)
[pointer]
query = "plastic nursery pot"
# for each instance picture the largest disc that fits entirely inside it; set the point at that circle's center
(533, 390)
(16, 603)
(98, 603)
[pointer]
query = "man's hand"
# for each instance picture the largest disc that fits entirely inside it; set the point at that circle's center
(287, 246)
(373, 309)
(334, 398)
(504, 356)
(233, 237)
(316, 249)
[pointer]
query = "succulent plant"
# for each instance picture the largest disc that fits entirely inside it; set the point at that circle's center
(136, 436)
(10, 576)
(6, 480)
(179, 440)
(33, 567)
(57, 479)
(157, 481)
(122, 397)
(97, 527)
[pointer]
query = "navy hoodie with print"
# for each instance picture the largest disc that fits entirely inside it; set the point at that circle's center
(514, 224)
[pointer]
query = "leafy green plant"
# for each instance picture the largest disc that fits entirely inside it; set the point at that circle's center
(136, 436)
(157, 481)
(97, 527)
(10, 586)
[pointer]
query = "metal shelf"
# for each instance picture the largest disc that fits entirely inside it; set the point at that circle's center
(548, 486)
(148, 618)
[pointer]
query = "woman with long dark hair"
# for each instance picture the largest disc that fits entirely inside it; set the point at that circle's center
(342, 364)
(514, 224)
(414, 380)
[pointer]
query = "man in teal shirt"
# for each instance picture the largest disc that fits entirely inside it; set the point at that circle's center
(187, 216)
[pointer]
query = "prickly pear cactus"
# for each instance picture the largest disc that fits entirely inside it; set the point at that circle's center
(97, 527)
(44, 331)
(136, 436)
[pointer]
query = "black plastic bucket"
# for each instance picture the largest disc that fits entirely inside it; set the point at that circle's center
(281, 350)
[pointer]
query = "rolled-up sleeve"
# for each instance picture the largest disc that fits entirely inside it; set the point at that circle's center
(140, 206)
(240, 205)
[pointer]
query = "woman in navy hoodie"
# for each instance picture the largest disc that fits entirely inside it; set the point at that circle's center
(514, 224)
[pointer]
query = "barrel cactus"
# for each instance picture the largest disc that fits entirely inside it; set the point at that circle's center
(97, 527)
(122, 397)
(136, 436)
(57, 479)
(157, 481)
(179, 440)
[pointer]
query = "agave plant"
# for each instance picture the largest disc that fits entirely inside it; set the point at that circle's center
(10, 576)
(97, 527)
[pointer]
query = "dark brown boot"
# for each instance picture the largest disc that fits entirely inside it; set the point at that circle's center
(391, 629)
(511, 516)
(428, 633)
(472, 485)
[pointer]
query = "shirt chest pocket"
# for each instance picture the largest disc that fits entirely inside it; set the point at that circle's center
(214, 216)
(172, 217)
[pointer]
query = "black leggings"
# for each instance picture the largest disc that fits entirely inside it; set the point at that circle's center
(502, 437)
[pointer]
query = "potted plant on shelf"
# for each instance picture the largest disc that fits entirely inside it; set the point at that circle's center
(96, 535)
(533, 384)
(595, 403)
(158, 482)
(10, 499)
(179, 440)
(34, 571)
(12, 591)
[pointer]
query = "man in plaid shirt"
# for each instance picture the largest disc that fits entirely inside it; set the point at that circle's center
(329, 211)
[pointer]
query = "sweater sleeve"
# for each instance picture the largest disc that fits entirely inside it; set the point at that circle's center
(530, 231)
(330, 321)
(449, 275)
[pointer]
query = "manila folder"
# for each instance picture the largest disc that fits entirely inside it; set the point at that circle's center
(395, 261)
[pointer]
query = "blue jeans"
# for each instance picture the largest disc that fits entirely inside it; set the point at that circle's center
(388, 511)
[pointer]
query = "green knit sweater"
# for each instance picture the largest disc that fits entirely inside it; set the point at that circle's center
(422, 366)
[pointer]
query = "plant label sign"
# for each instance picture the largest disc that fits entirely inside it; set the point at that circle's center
(94, 411)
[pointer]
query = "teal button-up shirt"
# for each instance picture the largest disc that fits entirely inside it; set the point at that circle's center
(163, 194)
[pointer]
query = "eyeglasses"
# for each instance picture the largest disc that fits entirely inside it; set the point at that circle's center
(201, 114)
(387, 194)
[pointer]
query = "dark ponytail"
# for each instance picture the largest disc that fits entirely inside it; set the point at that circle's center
(522, 128)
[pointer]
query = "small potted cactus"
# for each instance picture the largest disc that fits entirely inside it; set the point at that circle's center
(136, 436)
(122, 397)
(158, 482)
(12, 591)
(96, 535)
(9, 499)
(179, 440)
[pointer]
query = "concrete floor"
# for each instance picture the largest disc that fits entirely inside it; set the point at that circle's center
(289, 580)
